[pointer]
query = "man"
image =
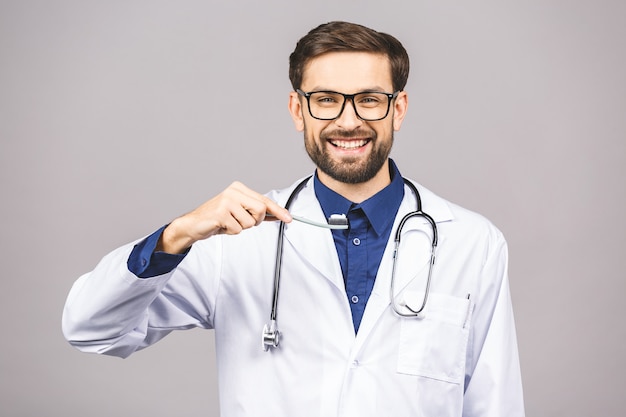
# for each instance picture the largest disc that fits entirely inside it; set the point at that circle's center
(351, 342)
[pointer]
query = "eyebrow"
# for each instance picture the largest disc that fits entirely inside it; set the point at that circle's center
(375, 89)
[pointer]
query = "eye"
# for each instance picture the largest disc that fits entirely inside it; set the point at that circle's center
(326, 99)
(370, 100)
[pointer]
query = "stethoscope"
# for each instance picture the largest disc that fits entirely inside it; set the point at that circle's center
(271, 334)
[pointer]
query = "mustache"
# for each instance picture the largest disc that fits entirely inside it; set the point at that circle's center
(348, 134)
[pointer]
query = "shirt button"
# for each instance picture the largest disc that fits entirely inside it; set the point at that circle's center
(354, 299)
(356, 241)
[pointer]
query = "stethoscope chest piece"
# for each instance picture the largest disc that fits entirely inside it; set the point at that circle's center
(271, 336)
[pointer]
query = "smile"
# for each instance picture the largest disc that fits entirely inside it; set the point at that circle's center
(349, 144)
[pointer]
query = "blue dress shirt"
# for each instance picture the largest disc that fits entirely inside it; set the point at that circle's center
(360, 248)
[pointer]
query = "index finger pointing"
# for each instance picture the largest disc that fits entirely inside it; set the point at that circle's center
(272, 209)
(276, 212)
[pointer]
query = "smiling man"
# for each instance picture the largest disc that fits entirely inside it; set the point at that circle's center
(363, 330)
(349, 136)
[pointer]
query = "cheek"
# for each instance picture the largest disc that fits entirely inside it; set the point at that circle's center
(313, 130)
(384, 132)
(309, 137)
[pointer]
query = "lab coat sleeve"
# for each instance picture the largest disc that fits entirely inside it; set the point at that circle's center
(493, 382)
(111, 311)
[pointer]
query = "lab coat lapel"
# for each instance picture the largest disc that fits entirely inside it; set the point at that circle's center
(414, 255)
(314, 244)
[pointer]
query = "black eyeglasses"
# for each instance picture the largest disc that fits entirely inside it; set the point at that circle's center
(369, 106)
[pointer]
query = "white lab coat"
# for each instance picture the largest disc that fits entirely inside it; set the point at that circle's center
(460, 359)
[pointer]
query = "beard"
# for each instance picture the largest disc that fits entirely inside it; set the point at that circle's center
(350, 170)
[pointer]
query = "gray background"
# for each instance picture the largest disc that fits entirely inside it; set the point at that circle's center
(116, 116)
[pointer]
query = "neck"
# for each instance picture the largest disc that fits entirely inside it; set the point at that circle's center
(357, 193)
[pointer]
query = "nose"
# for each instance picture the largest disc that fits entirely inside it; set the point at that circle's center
(348, 118)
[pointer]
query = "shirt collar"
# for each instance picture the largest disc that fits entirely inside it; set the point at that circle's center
(380, 209)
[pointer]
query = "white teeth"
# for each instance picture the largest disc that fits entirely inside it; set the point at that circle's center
(348, 144)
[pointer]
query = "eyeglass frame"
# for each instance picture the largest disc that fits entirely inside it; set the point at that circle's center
(346, 97)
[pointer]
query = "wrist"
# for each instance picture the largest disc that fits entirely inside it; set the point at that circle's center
(173, 240)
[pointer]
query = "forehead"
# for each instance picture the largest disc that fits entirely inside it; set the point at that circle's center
(347, 72)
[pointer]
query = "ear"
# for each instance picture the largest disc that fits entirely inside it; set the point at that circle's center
(400, 106)
(295, 109)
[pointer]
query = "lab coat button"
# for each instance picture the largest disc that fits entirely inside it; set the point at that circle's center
(356, 241)
(354, 299)
(355, 363)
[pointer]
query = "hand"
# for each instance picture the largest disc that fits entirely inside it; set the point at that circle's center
(235, 209)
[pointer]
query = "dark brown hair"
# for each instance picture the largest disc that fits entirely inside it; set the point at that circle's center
(348, 37)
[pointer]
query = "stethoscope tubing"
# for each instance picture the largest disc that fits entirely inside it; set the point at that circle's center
(271, 335)
(279, 249)
(417, 213)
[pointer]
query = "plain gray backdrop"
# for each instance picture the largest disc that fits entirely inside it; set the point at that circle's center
(116, 116)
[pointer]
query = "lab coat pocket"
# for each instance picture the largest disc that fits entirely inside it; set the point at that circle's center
(434, 345)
